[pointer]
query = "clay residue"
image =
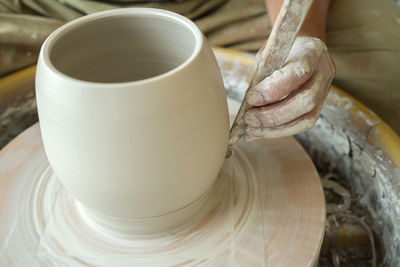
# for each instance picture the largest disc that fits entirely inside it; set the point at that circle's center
(15, 119)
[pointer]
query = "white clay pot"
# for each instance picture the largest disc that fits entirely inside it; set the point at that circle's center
(133, 114)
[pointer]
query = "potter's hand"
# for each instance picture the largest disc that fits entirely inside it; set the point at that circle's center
(289, 100)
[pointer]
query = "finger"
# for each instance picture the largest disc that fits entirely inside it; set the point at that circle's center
(311, 94)
(302, 101)
(296, 126)
(280, 83)
(295, 72)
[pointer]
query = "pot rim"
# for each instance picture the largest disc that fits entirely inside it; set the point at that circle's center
(57, 34)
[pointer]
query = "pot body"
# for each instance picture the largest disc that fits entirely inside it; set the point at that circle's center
(134, 126)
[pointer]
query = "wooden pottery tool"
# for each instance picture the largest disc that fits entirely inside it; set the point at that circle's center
(272, 56)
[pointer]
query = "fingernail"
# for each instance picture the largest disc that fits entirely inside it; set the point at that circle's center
(254, 99)
(251, 119)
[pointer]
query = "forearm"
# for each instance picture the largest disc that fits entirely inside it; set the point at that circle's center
(315, 22)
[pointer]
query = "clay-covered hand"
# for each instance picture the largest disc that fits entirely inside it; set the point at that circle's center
(289, 100)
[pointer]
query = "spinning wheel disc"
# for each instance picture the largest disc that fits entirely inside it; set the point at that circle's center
(266, 209)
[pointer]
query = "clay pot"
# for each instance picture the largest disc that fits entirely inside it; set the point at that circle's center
(132, 112)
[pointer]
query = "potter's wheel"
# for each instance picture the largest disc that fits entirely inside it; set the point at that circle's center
(264, 212)
(266, 209)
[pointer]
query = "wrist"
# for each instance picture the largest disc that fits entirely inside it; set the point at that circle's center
(315, 21)
(312, 31)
